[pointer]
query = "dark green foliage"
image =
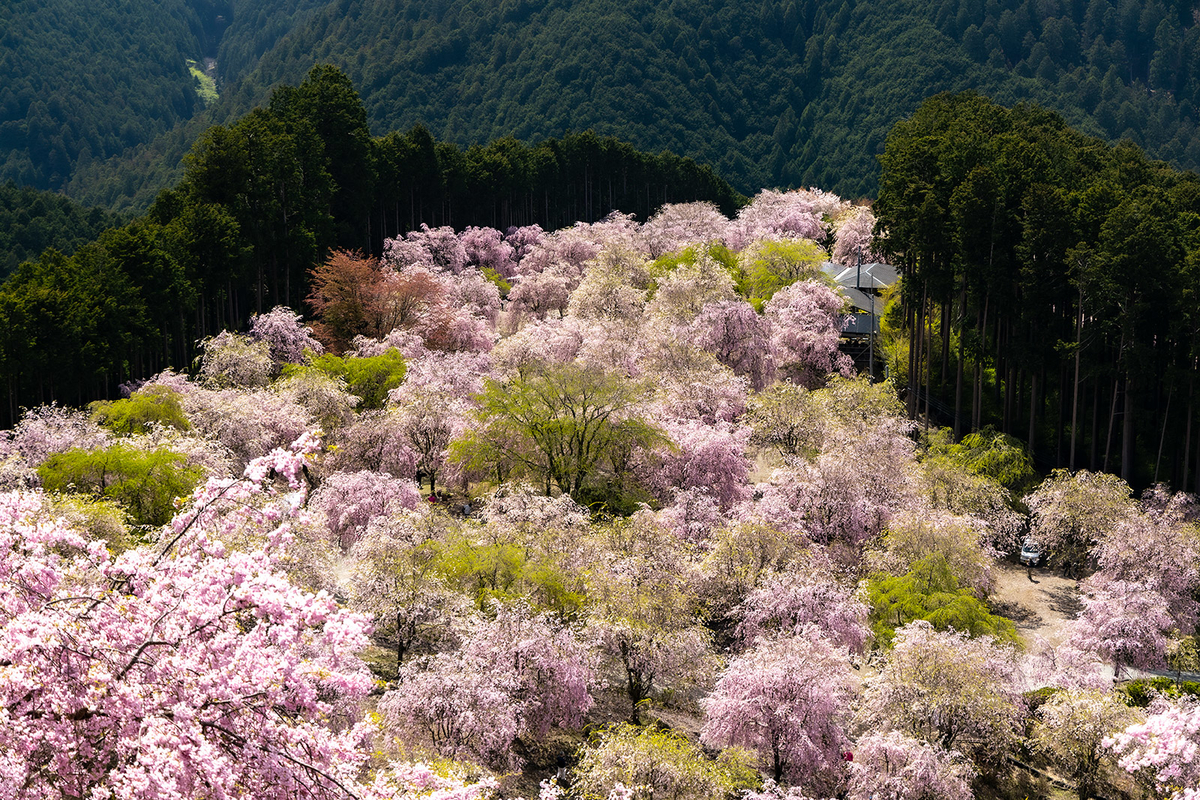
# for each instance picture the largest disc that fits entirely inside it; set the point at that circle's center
(32, 221)
(88, 81)
(930, 592)
(1141, 692)
(145, 483)
(1054, 279)
(144, 409)
(780, 93)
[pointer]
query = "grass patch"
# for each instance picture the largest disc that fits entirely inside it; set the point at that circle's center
(206, 87)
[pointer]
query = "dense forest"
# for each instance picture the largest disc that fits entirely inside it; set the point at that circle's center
(1050, 286)
(87, 81)
(787, 93)
(265, 198)
(32, 221)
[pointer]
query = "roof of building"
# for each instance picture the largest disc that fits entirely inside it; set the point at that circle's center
(873, 276)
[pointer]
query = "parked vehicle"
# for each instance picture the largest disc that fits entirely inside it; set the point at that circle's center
(1031, 553)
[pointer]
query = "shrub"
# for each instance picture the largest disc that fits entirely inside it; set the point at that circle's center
(145, 482)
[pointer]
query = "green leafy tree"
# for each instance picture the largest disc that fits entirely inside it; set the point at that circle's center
(563, 424)
(155, 405)
(930, 592)
(145, 482)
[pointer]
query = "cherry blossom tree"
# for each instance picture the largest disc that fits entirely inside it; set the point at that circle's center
(950, 690)
(893, 766)
(644, 619)
(1124, 622)
(1164, 750)
(793, 601)
(395, 577)
(740, 339)
(284, 334)
(789, 700)
(408, 781)
(772, 214)
(232, 360)
(538, 294)
(42, 432)
(845, 496)
(523, 239)
(428, 423)
(460, 374)
(325, 398)
(1135, 549)
(709, 393)
(626, 762)
(440, 248)
(248, 423)
(677, 225)
(613, 287)
(374, 441)
(1072, 513)
(711, 457)
(514, 675)
(349, 502)
(692, 515)
(179, 671)
(487, 249)
(854, 237)
(1072, 727)
(538, 343)
(694, 283)
(805, 327)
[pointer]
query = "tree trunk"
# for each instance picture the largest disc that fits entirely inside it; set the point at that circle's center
(1033, 406)
(1075, 385)
(1127, 435)
(958, 384)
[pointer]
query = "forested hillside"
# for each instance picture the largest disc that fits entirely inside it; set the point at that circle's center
(31, 221)
(783, 93)
(87, 81)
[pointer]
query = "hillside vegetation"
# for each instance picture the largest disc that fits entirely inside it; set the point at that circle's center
(87, 81)
(781, 93)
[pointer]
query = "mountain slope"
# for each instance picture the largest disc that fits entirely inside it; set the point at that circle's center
(782, 92)
(91, 80)
(775, 93)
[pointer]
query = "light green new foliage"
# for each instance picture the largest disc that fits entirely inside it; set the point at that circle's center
(206, 87)
(369, 378)
(930, 592)
(564, 425)
(145, 482)
(767, 266)
(659, 764)
(154, 405)
(95, 518)
(990, 454)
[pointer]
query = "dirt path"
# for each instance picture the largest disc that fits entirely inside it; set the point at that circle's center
(1040, 607)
